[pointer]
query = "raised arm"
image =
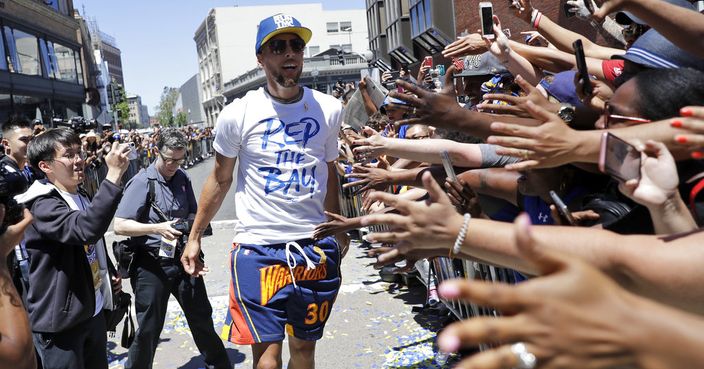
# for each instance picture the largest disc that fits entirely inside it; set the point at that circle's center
(635, 261)
(684, 27)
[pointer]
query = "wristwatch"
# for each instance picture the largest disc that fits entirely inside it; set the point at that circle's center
(566, 112)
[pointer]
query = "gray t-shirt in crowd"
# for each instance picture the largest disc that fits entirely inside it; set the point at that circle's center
(490, 159)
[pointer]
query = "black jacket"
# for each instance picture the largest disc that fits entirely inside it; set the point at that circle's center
(61, 292)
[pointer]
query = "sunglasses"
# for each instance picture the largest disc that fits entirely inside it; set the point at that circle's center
(278, 46)
(610, 119)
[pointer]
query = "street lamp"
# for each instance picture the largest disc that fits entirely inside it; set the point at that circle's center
(314, 73)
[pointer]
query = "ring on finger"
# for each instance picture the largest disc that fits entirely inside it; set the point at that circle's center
(414, 110)
(526, 360)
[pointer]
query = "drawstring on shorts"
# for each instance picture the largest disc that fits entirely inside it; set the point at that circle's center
(290, 257)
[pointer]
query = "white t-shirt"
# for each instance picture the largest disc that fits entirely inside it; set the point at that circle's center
(283, 151)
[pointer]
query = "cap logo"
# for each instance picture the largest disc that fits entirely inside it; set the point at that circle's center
(283, 21)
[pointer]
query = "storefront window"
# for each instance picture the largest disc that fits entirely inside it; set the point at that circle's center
(48, 60)
(10, 42)
(3, 57)
(27, 53)
(66, 62)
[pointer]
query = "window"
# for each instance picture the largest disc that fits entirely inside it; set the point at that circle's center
(313, 50)
(48, 59)
(66, 64)
(3, 57)
(10, 42)
(332, 27)
(79, 67)
(345, 26)
(27, 53)
(347, 47)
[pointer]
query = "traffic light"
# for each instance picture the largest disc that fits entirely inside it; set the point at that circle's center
(111, 94)
(341, 57)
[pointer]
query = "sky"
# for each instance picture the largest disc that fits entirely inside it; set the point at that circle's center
(156, 37)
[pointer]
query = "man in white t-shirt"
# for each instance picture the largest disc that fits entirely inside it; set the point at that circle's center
(285, 137)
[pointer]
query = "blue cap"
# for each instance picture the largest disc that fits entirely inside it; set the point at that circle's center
(277, 24)
(653, 50)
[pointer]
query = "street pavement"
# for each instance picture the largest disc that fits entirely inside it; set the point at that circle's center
(371, 325)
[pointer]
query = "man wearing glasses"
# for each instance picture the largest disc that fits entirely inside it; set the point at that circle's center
(158, 272)
(285, 138)
(69, 284)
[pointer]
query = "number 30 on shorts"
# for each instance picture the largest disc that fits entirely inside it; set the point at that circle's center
(317, 313)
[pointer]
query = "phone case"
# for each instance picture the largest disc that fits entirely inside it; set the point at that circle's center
(602, 152)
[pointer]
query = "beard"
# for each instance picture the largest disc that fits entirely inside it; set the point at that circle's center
(288, 82)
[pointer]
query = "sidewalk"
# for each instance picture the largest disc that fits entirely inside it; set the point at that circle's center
(371, 324)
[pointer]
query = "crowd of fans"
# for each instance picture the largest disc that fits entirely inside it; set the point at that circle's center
(525, 135)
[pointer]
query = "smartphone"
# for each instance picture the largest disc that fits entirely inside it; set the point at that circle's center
(618, 158)
(427, 61)
(566, 9)
(133, 154)
(562, 208)
(459, 64)
(486, 15)
(582, 67)
(589, 5)
(447, 164)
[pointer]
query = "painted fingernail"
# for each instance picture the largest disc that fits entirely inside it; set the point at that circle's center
(686, 112)
(448, 343)
(449, 291)
(697, 155)
(676, 123)
(681, 139)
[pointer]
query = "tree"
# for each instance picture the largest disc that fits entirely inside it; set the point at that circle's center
(165, 110)
(122, 107)
(181, 119)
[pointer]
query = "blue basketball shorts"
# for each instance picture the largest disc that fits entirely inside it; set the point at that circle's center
(268, 298)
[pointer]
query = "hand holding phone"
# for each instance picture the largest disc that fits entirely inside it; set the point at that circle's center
(582, 68)
(427, 62)
(486, 15)
(562, 208)
(618, 158)
(447, 164)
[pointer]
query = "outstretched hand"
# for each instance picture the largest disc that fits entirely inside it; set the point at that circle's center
(431, 225)
(472, 44)
(439, 109)
(518, 103)
(557, 322)
(548, 145)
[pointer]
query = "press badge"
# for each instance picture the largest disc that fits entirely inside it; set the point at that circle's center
(168, 248)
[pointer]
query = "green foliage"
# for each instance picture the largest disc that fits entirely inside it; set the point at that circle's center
(181, 119)
(165, 110)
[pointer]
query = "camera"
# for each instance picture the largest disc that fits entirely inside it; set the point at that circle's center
(11, 184)
(76, 124)
(183, 226)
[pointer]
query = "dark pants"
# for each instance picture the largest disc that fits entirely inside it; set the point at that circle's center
(81, 347)
(153, 281)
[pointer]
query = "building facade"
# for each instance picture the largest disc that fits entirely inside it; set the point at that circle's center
(41, 67)
(225, 42)
(191, 101)
(137, 113)
(403, 32)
